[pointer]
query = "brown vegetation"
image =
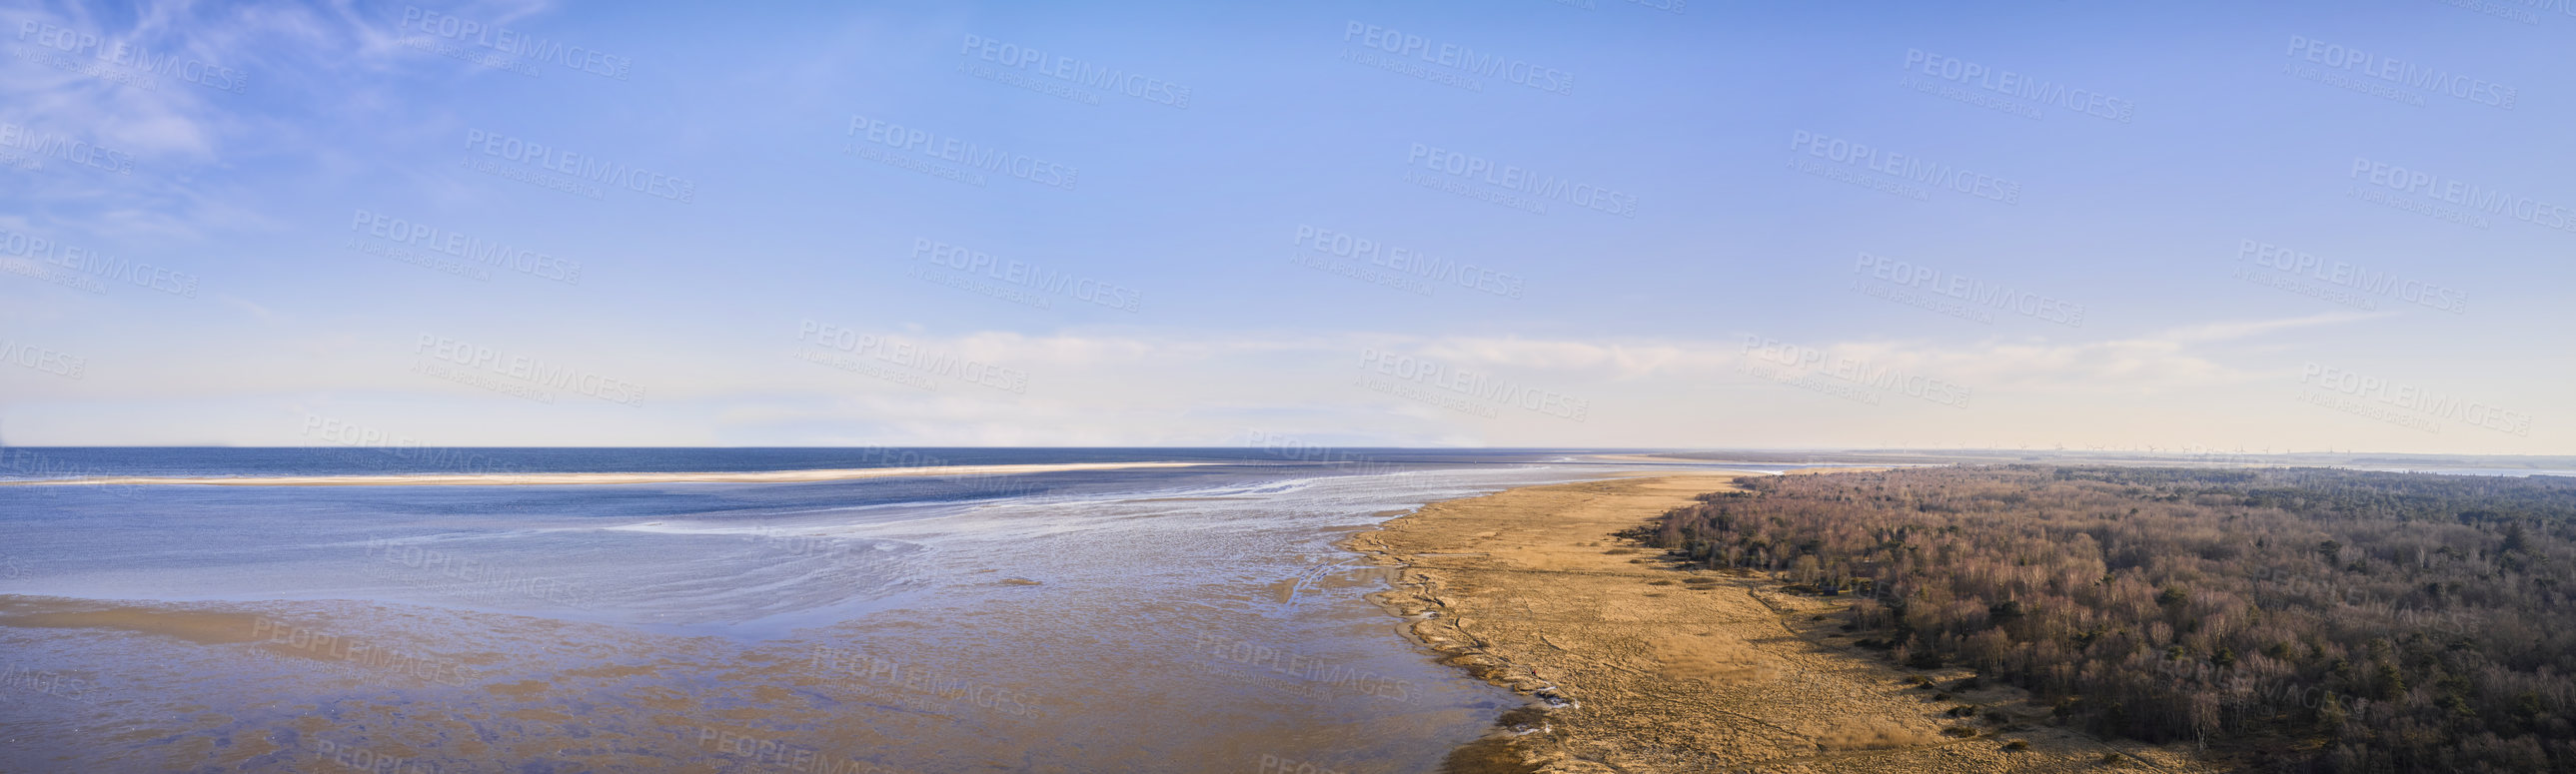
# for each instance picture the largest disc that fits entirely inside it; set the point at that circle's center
(2303, 620)
(1715, 672)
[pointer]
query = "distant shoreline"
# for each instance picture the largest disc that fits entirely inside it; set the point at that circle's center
(572, 479)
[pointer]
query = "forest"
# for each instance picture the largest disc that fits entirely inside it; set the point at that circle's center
(2292, 619)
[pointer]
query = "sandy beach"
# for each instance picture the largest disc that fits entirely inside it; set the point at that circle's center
(1635, 665)
(561, 479)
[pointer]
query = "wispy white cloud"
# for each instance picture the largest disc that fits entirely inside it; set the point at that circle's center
(209, 99)
(2237, 329)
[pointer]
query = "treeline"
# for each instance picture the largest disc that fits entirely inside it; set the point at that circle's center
(2300, 619)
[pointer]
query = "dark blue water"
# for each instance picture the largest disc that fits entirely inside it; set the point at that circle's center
(23, 462)
(747, 557)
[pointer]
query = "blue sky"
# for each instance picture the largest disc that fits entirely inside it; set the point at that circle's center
(2196, 226)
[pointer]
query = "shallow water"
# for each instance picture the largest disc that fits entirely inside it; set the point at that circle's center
(1195, 619)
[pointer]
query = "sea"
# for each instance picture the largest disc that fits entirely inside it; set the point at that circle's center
(1196, 619)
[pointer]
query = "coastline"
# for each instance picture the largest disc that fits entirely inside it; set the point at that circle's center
(570, 479)
(1635, 665)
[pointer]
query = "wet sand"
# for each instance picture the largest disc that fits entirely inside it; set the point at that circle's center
(1634, 665)
(1653, 458)
(561, 479)
(1179, 624)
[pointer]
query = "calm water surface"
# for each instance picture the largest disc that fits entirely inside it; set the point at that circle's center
(1195, 619)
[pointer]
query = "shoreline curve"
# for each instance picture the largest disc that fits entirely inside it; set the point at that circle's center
(1632, 662)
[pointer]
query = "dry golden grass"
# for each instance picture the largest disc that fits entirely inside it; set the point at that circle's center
(1630, 672)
